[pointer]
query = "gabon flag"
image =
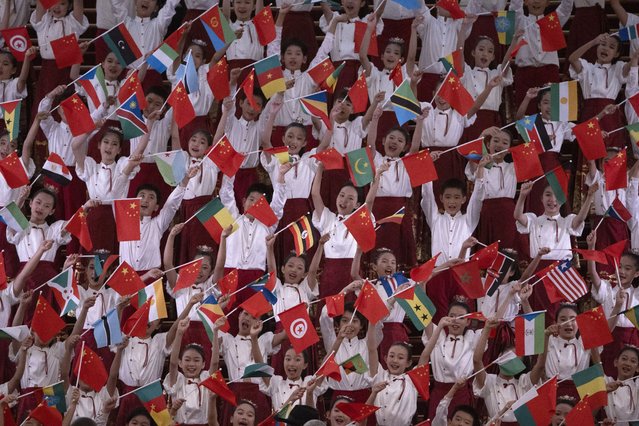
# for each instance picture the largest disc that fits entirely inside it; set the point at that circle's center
(127, 219)
(90, 369)
(66, 51)
(79, 228)
(370, 304)
(298, 327)
(360, 225)
(77, 115)
(46, 322)
(551, 33)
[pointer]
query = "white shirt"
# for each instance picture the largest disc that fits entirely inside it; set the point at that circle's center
(143, 360)
(439, 39)
(91, 404)
(476, 79)
(7, 299)
(183, 296)
(589, 3)
(443, 128)
(488, 305)
(497, 392)
(203, 183)
(558, 131)
(623, 403)
(395, 11)
(19, 15)
(378, 81)
(632, 20)
(606, 297)
(395, 182)
(566, 357)
(452, 357)
(290, 295)
(632, 88)
(42, 367)
(298, 8)
(105, 300)
(499, 181)
(299, 179)
(341, 244)
(49, 28)
(347, 136)
(144, 254)
(236, 351)
(483, 6)
(247, 46)
(196, 398)
(158, 139)
(633, 208)
(199, 4)
(344, 41)
(8, 194)
(603, 198)
(449, 232)
(280, 389)
(28, 240)
(552, 232)
(398, 400)
(203, 98)
(600, 80)
(106, 182)
(105, 13)
(397, 313)
(112, 89)
(245, 135)
(9, 90)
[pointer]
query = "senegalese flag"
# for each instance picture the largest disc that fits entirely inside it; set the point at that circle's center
(629, 33)
(505, 26)
(633, 315)
(281, 153)
(152, 398)
(420, 309)
(155, 292)
(405, 103)
(209, 312)
(11, 117)
(217, 27)
(454, 61)
(563, 101)
(270, 75)
(215, 218)
(316, 104)
(303, 237)
(55, 396)
(592, 382)
(172, 166)
(355, 364)
(331, 80)
(558, 182)
(361, 166)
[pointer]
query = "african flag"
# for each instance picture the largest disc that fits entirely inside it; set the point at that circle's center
(405, 103)
(11, 117)
(303, 237)
(215, 218)
(152, 397)
(420, 309)
(505, 26)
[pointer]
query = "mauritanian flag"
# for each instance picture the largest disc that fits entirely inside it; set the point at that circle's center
(158, 304)
(529, 333)
(215, 218)
(563, 101)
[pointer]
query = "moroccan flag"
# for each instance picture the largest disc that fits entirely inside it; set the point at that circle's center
(135, 326)
(505, 25)
(13, 171)
(420, 168)
(526, 162)
(123, 46)
(188, 274)
(633, 315)
(358, 94)
(218, 79)
(92, 372)
(419, 308)
(248, 85)
(592, 382)
(78, 117)
(302, 232)
(127, 218)
(361, 166)
(425, 270)
(79, 228)
(581, 414)
(405, 103)
(11, 117)
(320, 72)
(420, 376)
(131, 119)
(335, 305)
(529, 333)
(473, 150)
(486, 256)
(358, 36)
(46, 323)
(262, 211)
(360, 225)
(132, 85)
(209, 312)
(215, 218)
(590, 139)
(152, 397)
(225, 157)
(396, 75)
(558, 182)
(55, 169)
(43, 413)
(552, 36)
(124, 280)
(172, 166)
(270, 75)
(299, 327)
(331, 81)
(618, 211)
(357, 411)
(563, 101)
(370, 304)
(216, 384)
(536, 407)
(330, 158)
(264, 26)
(330, 369)
(454, 61)
(531, 128)
(468, 277)
(217, 27)
(183, 112)
(66, 51)
(17, 40)
(616, 172)
(593, 326)
(453, 91)
(316, 104)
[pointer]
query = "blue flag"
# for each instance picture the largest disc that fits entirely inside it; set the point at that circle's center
(188, 73)
(391, 283)
(106, 330)
(410, 4)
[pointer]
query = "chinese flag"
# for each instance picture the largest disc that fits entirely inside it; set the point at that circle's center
(264, 26)
(453, 91)
(225, 157)
(593, 326)
(78, 117)
(615, 250)
(425, 270)
(526, 162)
(124, 280)
(335, 305)
(357, 411)
(616, 172)
(46, 322)
(358, 94)
(79, 228)
(360, 225)
(257, 305)
(248, 85)
(218, 79)
(396, 75)
(420, 168)
(360, 30)
(262, 211)
(188, 274)
(298, 327)
(92, 372)
(370, 304)
(330, 369)
(66, 51)
(45, 414)
(135, 325)
(487, 255)
(17, 40)
(581, 414)
(13, 171)
(521, 43)
(552, 36)
(594, 255)
(452, 7)
(183, 112)
(468, 277)
(216, 384)
(48, 4)
(127, 219)
(228, 283)
(3, 273)
(421, 379)
(330, 158)
(320, 72)
(590, 139)
(132, 86)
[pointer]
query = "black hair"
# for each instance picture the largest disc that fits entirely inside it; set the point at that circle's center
(379, 252)
(83, 421)
(460, 304)
(482, 38)
(140, 411)
(468, 410)
(512, 253)
(195, 347)
(5, 132)
(204, 251)
(405, 345)
(541, 94)
(359, 191)
(47, 192)
(258, 92)
(260, 188)
(401, 130)
(294, 42)
(572, 306)
(340, 398)
(115, 131)
(292, 255)
(159, 90)
(247, 402)
(635, 261)
(350, 308)
(296, 125)
(628, 348)
(152, 188)
(454, 183)
(304, 354)
(343, 95)
(12, 58)
(397, 42)
(207, 135)
(566, 399)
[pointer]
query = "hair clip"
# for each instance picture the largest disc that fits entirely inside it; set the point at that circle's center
(199, 42)
(204, 249)
(396, 40)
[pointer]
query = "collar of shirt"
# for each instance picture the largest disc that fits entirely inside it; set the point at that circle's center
(142, 20)
(603, 65)
(244, 122)
(458, 214)
(145, 219)
(555, 217)
(481, 69)
(36, 226)
(289, 73)
(108, 166)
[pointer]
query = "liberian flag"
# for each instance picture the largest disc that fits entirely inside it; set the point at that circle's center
(55, 169)
(529, 333)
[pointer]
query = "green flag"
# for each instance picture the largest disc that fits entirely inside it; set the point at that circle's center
(361, 166)
(355, 364)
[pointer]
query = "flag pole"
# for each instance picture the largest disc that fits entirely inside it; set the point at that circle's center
(289, 225)
(457, 146)
(77, 79)
(439, 88)
(508, 125)
(77, 379)
(180, 266)
(302, 97)
(551, 170)
(353, 316)
(616, 130)
(485, 245)
(324, 362)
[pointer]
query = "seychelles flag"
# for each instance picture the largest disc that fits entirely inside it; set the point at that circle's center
(315, 104)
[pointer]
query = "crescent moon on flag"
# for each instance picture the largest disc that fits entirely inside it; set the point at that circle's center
(121, 44)
(356, 167)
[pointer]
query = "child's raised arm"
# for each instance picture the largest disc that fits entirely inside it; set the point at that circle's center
(112, 381)
(170, 335)
(591, 239)
(14, 382)
(579, 219)
(519, 214)
(174, 360)
(29, 55)
(65, 362)
(478, 353)
(311, 276)
(372, 192)
(316, 195)
(218, 271)
(29, 267)
(621, 13)
(371, 24)
(530, 95)
(575, 57)
(167, 256)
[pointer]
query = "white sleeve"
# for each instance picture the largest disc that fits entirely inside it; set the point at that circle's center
(170, 207)
(526, 229)
(327, 328)
(564, 10)
(441, 415)
(474, 206)
(278, 200)
(428, 203)
(227, 196)
(575, 231)
(324, 50)
(165, 15)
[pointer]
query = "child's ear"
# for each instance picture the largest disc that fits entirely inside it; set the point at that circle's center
(357, 205)
(305, 59)
(156, 208)
(282, 268)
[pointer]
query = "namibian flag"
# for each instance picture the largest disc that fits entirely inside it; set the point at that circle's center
(122, 45)
(209, 312)
(531, 128)
(592, 382)
(473, 150)
(454, 61)
(131, 118)
(633, 315)
(270, 76)
(217, 27)
(152, 398)
(316, 104)
(303, 237)
(629, 33)
(331, 80)
(215, 218)
(396, 217)
(405, 103)
(505, 26)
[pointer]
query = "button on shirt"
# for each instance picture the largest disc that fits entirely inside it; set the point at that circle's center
(143, 360)
(439, 38)
(106, 181)
(280, 389)
(347, 136)
(397, 401)
(27, 241)
(552, 232)
(603, 198)
(395, 182)
(566, 357)
(236, 351)
(9, 90)
(49, 28)
(42, 367)
(444, 128)
(299, 179)
(452, 357)
(290, 295)
(159, 138)
(247, 46)
(245, 135)
(344, 41)
(623, 404)
(600, 80)
(341, 244)
(91, 404)
(203, 183)
(499, 181)
(498, 391)
(195, 408)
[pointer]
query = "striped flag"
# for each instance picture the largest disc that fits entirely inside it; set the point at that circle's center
(106, 330)
(209, 312)
(633, 315)
(396, 217)
(87, 82)
(629, 33)
(11, 116)
(131, 118)
(162, 58)
(529, 333)
(303, 237)
(280, 153)
(172, 166)
(563, 282)
(405, 103)
(153, 291)
(122, 44)
(505, 26)
(331, 81)
(618, 211)
(14, 219)
(316, 104)
(215, 218)
(454, 61)
(563, 101)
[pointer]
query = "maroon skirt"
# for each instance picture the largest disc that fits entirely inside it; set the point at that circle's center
(485, 118)
(464, 396)
(26, 404)
(244, 276)
(152, 78)
(386, 122)
(301, 26)
(277, 137)
(610, 231)
(497, 223)
(528, 77)
(193, 234)
(336, 274)
(197, 334)
(42, 274)
(393, 332)
(397, 237)
(586, 24)
(549, 160)
(332, 182)
(251, 392)
(11, 260)
(101, 48)
(539, 298)
(284, 244)
(102, 229)
(623, 336)
(127, 403)
(149, 173)
(50, 77)
(594, 106)
(426, 86)
(348, 75)
(484, 26)
(201, 122)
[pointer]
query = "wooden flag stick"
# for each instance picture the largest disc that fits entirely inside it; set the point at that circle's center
(599, 223)
(180, 266)
(77, 379)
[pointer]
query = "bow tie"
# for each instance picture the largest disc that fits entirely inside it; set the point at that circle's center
(454, 339)
(192, 382)
(245, 338)
(293, 385)
(341, 217)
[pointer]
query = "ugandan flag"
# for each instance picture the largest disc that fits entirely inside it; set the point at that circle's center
(420, 309)
(405, 103)
(215, 218)
(270, 76)
(302, 232)
(316, 104)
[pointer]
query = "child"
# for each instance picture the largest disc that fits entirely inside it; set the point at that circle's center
(626, 20)
(462, 415)
(398, 23)
(13, 88)
(549, 230)
(298, 28)
(105, 19)
(589, 20)
(14, 14)
(246, 48)
(10, 388)
(565, 404)
(484, 27)
(335, 416)
(623, 392)
(601, 83)
(535, 68)
(632, 203)
(243, 415)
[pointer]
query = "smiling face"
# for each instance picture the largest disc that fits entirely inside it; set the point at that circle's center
(244, 415)
(550, 203)
(536, 7)
(191, 363)
(294, 139)
(392, 55)
(356, 324)
(146, 8)
(352, 7)
(60, 9)
(484, 53)
(568, 328)
(608, 50)
(385, 265)
(111, 66)
(294, 58)
(459, 325)
(347, 200)
(7, 67)
(627, 364)
(42, 205)
(561, 411)
(205, 270)
(397, 359)
(343, 109)
(110, 146)
(5, 146)
(452, 199)
(243, 9)
(294, 270)
(148, 203)
(294, 364)
(335, 416)
(628, 271)
(497, 143)
(394, 143)
(198, 145)
(248, 113)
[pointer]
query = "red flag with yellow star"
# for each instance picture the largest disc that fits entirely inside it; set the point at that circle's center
(124, 280)
(320, 72)
(183, 112)
(13, 171)
(360, 225)
(453, 91)
(264, 26)
(468, 275)
(77, 115)
(358, 94)
(79, 228)
(616, 172)
(46, 322)
(590, 139)
(188, 274)
(262, 211)
(127, 219)
(135, 326)
(225, 157)
(452, 7)
(420, 376)
(218, 79)
(130, 86)
(92, 372)
(216, 384)
(66, 51)
(420, 168)
(358, 36)
(330, 369)
(487, 255)
(357, 411)
(248, 85)
(581, 414)
(593, 326)
(370, 304)
(526, 162)
(551, 34)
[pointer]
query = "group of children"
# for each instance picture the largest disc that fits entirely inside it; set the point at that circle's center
(474, 202)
